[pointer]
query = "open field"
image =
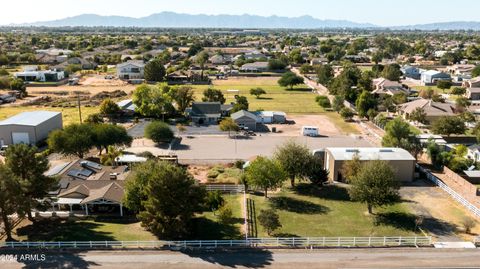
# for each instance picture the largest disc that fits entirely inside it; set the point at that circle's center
(70, 114)
(328, 211)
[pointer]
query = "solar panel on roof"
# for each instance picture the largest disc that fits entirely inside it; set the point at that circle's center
(85, 172)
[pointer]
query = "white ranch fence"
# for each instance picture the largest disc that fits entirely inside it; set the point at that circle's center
(472, 208)
(292, 242)
(225, 188)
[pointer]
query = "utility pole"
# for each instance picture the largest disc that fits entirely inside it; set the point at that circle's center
(79, 107)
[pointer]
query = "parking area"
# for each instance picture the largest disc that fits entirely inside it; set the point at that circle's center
(198, 149)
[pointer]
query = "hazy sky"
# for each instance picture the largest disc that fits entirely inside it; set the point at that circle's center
(380, 12)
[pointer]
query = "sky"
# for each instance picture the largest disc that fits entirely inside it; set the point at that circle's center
(379, 12)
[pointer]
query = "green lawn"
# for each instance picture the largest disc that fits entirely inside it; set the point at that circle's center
(435, 88)
(329, 212)
(207, 227)
(83, 230)
(70, 114)
(299, 100)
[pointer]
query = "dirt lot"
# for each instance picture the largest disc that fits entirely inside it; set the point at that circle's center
(327, 128)
(99, 80)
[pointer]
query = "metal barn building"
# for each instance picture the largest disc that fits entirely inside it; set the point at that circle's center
(29, 127)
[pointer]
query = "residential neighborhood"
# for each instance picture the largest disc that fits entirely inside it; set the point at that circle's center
(212, 141)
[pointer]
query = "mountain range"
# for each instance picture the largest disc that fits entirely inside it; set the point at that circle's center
(179, 20)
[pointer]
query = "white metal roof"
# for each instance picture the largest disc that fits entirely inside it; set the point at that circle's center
(130, 158)
(69, 201)
(366, 154)
(31, 118)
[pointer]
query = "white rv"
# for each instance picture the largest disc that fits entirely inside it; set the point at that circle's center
(309, 131)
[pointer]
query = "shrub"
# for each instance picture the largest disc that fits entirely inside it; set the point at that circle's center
(225, 214)
(323, 101)
(269, 220)
(468, 224)
(159, 132)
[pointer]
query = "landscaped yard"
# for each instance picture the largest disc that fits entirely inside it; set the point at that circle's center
(328, 211)
(207, 227)
(83, 230)
(70, 114)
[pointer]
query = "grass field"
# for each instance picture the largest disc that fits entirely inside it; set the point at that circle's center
(435, 88)
(298, 100)
(207, 227)
(70, 114)
(329, 212)
(83, 230)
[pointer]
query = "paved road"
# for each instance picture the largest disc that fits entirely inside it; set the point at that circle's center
(333, 258)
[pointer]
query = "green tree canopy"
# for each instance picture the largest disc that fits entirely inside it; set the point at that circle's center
(375, 185)
(10, 196)
(294, 158)
(151, 101)
(228, 125)
(289, 79)
(74, 139)
(159, 132)
(257, 92)
(213, 95)
(269, 220)
(448, 125)
(154, 71)
(265, 174)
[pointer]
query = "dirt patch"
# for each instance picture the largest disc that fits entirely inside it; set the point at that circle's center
(247, 81)
(99, 80)
(326, 127)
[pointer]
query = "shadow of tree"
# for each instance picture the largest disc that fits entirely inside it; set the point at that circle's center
(298, 90)
(285, 235)
(297, 206)
(328, 192)
(207, 229)
(253, 258)
(64, 230)
(57, 259)
(406, 221)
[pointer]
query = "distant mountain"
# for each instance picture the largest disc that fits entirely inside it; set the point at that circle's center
(446, 26)
(177, 20)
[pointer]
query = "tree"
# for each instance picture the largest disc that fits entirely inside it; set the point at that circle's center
(476, 132)
(228, 125)
(214, 200)
(346, 114)
(265, 174)
(426, 93)
(276, 64)
(316, 173)
(240, 104)
(323, 101)
(399, 98)
(418, 115)
(94, 118)
(270, 220)
(183, 97)
(166, 197)
(289, 79)
(365, 102)
(17, 84)
(10, 193)
(201, 58)
(159, 132)
(213, 95)
(392, 72)
(29, 167)
(325, 74)
(106, 135)
(109, 108)
(294, 158)
(225, 214)
(351, 168)
(74, 139)
(458, 91)
(257, 92)
(448, 125)
(476, 71)
(468, 224)
(444, 84)
(151, 101)
(375, 185)
(338, 103)
(396, 130)
(462, 103)
(154, 71)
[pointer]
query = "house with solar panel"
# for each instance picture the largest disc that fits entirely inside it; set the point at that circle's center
(88, 188)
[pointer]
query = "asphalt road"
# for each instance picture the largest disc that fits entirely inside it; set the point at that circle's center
(332, 258)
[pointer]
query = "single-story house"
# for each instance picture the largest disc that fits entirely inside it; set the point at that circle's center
(42, 76)
(434, 110)
(29, 127)
(473, 93)
(267, 117)
(83, 63)
(130, 70)
(319, 61)
(383, 86)
(410, 72)
(431, 77)
(208, 112)
(401, 160)
(245, 120)
(254, 67)
(89, 186)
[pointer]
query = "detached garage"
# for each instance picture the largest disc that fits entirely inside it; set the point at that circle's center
(29, 127)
